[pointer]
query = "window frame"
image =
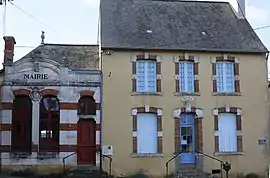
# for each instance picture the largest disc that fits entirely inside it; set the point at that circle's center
(49, 121)
(25, 142)
(224, 77)
(186, 76)
(146, 89)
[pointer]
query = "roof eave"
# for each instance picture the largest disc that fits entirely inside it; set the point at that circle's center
(184, 49)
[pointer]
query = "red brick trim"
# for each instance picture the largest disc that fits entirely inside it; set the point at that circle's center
(6, 105)
(151, 57)
(62, 127)
(198, 128)
(238, 113)
(74, 106)
(191, 58)
(153, 110)
(62, 148)
(21, 92)
(236, 71)
(86, 93)
(49, 92)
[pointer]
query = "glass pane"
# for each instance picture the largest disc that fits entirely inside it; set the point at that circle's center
(219, 75)
(50, 103)
(141, 75)
(229, 72)
(189, 130)
(151, 76)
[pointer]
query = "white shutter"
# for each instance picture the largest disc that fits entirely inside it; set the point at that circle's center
(147, 133)
(227, 132)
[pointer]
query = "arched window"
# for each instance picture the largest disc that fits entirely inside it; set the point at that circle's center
(21, 134)
(49, 124)
(87, 106)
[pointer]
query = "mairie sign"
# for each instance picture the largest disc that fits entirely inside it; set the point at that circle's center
(36, 76)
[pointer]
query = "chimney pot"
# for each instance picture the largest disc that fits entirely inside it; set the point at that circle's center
(9, 49)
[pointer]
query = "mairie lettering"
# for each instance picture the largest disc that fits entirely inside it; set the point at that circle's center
(36, 76)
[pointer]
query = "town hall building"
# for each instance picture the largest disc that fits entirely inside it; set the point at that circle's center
(50, 103)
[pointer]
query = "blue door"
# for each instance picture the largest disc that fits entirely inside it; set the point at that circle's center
(187, 139)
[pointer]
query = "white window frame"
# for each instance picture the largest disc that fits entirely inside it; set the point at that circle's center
(184, 74)
(146, 86)
(227, 132)
(223, 83)
(147, 134)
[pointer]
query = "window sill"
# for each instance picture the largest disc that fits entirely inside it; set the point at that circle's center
(228, 153)
(146, 93)
(141, 155)
(226, 94)
(187, 94)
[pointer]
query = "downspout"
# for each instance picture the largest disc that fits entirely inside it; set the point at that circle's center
(266, 59)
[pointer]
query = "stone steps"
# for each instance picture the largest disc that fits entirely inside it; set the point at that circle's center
(191, 173)
(86, 171)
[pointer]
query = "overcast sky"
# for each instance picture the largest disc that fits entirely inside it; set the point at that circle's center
(76, 22)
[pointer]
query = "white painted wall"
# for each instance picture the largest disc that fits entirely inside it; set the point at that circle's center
(70, 94)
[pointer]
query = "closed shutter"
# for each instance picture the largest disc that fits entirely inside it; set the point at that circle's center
(147, 133)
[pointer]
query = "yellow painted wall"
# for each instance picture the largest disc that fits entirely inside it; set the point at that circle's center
(118, 102)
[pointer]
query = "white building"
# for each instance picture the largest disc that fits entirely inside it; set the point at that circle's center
(50, 105)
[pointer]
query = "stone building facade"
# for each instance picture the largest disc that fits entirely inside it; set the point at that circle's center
(50, 106)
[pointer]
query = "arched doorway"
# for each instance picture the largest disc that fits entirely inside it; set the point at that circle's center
(49, 122)
(86, 131)
(21, 133)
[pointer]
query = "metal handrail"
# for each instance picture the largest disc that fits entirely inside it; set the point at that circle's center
(167, 163)
(213, 158)
(110, 161)
(64, 160)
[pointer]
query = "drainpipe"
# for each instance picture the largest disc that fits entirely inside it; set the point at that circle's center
(101, 118)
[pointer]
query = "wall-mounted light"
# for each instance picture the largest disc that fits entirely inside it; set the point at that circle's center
(110, 74)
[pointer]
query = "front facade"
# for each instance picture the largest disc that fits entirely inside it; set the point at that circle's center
(182, 95)
(50, 109)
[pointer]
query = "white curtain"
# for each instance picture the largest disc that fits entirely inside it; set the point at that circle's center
(227, 132)
(147, 133)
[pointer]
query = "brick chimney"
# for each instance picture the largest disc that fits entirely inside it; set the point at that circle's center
(241, 9)
(9, 49)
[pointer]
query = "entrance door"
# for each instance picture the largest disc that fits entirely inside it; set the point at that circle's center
(86, 141)
(187, 142)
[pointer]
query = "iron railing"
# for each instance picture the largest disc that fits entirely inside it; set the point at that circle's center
(213, 158)
(64, 160)
(171, 159)
(99, 152)
(110, 161)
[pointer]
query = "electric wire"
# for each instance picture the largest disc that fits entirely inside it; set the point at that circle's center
(22, 10)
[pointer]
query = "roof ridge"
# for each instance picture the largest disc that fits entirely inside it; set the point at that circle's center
(52, 44)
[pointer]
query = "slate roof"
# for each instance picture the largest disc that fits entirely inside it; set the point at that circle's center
(76, 56)
(175, 25)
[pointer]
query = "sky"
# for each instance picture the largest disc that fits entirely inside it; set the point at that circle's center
(76, 22)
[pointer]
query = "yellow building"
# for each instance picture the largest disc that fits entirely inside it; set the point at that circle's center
(182, 77)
